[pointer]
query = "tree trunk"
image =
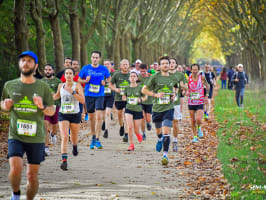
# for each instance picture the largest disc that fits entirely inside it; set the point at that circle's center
(83, 51)
(136, 49)
(74, 29)
(56, 34)
(36, 14)
(21, 26)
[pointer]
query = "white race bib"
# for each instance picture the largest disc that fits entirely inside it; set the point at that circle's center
(164, 100)
(26, 127)
(132, 100)
(107, 90)
(122, 91)
(94, 88)
(194, 95)
(67, 108)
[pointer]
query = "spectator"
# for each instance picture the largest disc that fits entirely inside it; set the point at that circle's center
(223, 78)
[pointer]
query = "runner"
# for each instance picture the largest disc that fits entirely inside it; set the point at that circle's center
(147, 104)
(51, 122)
(67, 63)
(94, 75)
(241, 80)
(71, 93)
(108, 100)
(137, 66)
(181, 68)
(119, 82)
(211, 79)
(163, 87)
(182, 83)
(133, 112)
(196, 100)
(28, 100)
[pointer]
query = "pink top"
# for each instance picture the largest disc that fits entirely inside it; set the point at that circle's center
(196, 91)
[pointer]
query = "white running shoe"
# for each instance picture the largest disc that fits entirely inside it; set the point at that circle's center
(54, 140)
(46, 151)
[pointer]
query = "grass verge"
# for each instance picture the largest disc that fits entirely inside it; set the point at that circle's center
(242, 143)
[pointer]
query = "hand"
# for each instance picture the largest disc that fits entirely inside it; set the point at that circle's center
(159, 95)
(139, 100)
(38, 102)
(102, 82)
(117, 90)
(88, 78)
(246, 85)
(236, 80)
(173, 96)
(8, 103)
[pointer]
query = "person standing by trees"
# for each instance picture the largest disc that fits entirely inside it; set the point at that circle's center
(230, 75)
(28, 100)
(163, 87)
(51, 121)
(240, 79)
(223, 78)
(95, 75)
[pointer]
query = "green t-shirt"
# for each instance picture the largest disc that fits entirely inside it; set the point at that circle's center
(107, 90)
(166, 84)
(26, 120)
(180, 77)
(53, 84)
(132, 98)
(121, 81)
(142, 82)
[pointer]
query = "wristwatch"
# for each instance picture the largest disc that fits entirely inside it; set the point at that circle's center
(74, 92)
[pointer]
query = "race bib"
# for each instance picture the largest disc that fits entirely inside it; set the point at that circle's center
(164, 100)
(122, 91)
(67, 108)
(94, 88)
(107, 90)
(132, 100)
(194, 95)
(26, 127)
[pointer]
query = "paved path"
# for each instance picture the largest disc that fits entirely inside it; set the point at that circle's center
(110, 173)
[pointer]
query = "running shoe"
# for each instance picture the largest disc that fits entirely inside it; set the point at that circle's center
(148, 126)
(86, 117)
(131, 147)
(105, 135)
(46, 151)
(53, 139)
(122, 130)
(92, 144)
(75, 151)
(139, 136)
(165, 160)
(159, 145)
(103, 126)
(15, 197)
(98, 144)
(144, 136)
(175, 147)
(200, 133)
(64, 165)
(195, 139)
(125, 138)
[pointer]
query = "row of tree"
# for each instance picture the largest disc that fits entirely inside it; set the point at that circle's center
(144, 29)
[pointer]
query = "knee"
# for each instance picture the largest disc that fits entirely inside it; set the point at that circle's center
(32, 177)
(15, 171)
(198, 119)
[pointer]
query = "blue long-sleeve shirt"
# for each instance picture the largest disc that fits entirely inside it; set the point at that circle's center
(242, 79)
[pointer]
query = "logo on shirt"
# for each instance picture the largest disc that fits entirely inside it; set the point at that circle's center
(16, 94)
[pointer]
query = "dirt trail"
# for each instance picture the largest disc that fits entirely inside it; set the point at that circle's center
(115, 173)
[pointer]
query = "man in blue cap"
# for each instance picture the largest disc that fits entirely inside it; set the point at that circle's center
(28, 100)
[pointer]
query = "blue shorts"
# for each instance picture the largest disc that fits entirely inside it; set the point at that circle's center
(34, 151)
(108, 102)
(120, 105)
(72, 118)
(94, 103)
(136, 115)
(161, 116)
(147, 108)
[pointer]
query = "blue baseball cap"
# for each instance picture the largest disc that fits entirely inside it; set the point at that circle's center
(31, 54)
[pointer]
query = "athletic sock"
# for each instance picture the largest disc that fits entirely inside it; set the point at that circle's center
(160, 136)
(94, 137)
(175, 139)
(64, 156)
(166, 143)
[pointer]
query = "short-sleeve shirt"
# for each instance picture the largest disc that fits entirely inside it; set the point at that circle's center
(143, 81)
(132, 94)
(26, 120)
(94, 88)
(166, 84)
(121, 81)
(53, 84)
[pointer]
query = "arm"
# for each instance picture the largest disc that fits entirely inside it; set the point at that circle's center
(6, 104)
(146, 91)
(113, 87)
(81, 81)
(205, 83)
(79, 94)
(57, 96)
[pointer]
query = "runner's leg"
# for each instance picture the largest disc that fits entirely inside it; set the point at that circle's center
(33, 182)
